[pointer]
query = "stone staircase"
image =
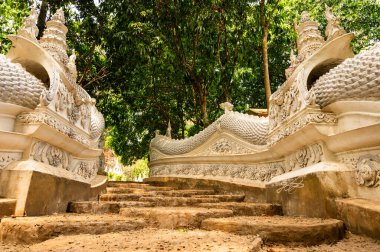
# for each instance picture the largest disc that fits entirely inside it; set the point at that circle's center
(133, 206)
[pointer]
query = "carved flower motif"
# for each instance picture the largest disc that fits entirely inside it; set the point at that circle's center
(222, 147)
(368, 171)
(54, 156)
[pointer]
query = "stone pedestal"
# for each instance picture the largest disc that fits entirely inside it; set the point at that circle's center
(40, 189)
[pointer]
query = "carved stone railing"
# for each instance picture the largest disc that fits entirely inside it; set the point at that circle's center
(58, 123)
(324, 118)
(249, 128)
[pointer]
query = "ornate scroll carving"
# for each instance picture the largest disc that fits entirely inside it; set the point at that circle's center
(51, 155)
(259, 172)
(304, 157)
(226, 146)
(40, 117)
(56, 157)
(366, 166)
(48, 95)
(7, 157)
(301, 122)
(368, 171)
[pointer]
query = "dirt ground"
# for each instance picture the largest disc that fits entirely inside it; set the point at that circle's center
(150, 239)
(354, 243)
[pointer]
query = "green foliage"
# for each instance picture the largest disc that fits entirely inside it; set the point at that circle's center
(140, 169)
(11, 18)
(137, 171)
(117, 177)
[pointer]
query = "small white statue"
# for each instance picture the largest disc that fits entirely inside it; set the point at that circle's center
(226, 106)
(59, 15)
(30, 29)
(333, 29)
(169, 131)
(71, 66)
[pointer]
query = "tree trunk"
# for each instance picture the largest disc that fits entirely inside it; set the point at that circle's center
(268, 92)
(203, 104)
(41, 22)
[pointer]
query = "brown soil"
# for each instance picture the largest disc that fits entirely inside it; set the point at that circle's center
(145, 240)
(354, 243)
(182, 240)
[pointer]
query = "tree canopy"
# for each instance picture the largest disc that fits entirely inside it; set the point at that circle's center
(151, 62)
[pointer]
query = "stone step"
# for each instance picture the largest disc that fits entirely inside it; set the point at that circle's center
(139, 186)
(223, 198)
(149, 239)
(127, 184)
(281, 229)
(247, 208)
(177, 201)
(157, 191)
(125, 190)
(175, 217)
(110, 207)
(184, 193)
(29, 230)
(7, 207)
(361, 216)
(119, 197)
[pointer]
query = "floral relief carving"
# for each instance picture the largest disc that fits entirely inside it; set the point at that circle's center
(286, 130)
(226, 146)
(368, 171)
(56, 157)
(51, 155)
(305, 156)
(40, 117)
(8, 157)
(260, 172)
(366, 166)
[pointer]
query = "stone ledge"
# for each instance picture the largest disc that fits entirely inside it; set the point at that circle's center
(281, 229)
(29, 230)
(361, 216)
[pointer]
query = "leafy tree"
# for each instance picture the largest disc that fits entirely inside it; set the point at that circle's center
(265, 19)
(11, 18)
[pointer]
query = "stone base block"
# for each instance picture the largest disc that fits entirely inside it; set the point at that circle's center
(360, 216)
(7, 207)
(281, 229)
(29, 230)
(175, 217)
(39, 191)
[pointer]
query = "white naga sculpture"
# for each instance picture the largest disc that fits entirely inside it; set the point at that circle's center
(48, 123)
(325, 117)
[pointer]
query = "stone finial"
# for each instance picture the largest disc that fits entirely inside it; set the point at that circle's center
(226, 106)
(333, 28)
(59, 16)
(157, 133)
(54, 38)
(305, 17)
(309, 37)
(71, 66)
(30, 30)
(169, 131)
(293, 64)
